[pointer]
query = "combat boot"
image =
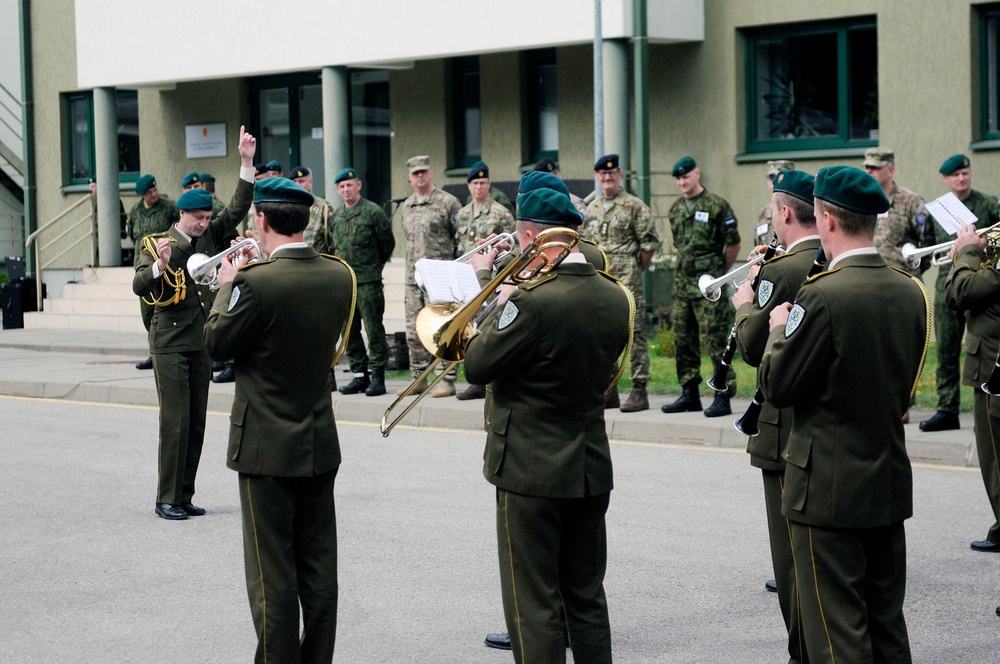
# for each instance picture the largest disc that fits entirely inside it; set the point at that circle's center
(611, 397)
(720, 406)
(446, 388)
(472, 392)
(376, 387)
(689, 401)
(637, 400)
(417, 389)
(359, 384)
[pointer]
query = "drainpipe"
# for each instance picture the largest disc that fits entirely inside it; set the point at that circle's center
(640, 49)
(598, 86)
(28, 124)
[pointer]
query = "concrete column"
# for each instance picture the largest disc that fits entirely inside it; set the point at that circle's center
(109, 246)
(616, 101)
(337, 145)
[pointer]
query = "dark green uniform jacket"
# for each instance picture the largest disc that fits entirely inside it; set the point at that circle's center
(978, 291)
(847, 362)
(287, 312)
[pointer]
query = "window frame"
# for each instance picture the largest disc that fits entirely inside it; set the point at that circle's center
(461, 67)
(87, 96)
(534, 61)
(842, 30)
(987, 14)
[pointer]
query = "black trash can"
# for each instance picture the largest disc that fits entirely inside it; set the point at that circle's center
(18, 296)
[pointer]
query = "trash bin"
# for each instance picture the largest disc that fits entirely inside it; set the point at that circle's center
(18, 296)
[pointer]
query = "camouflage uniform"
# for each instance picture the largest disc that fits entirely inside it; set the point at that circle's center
(623, 228)
(143, 221)
(949, 324)
(764, 229)
(429, 227)
(498, 196)
(701, 234)
(904, 222)
(362, 236)
(491, 218)
(317, 232)
(579, 204)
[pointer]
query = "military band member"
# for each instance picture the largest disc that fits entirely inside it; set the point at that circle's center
(845, 359)
(281, 319)
(180, 364)
(622, 226)
(428, 221)
(905, 220)
(707, 241)
(949, 324)
(779, 280)
(547, 352)
(973, 286)
(480, 218)
(765, 228)
(361, 234)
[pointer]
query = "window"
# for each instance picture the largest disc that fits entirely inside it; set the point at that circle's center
(812, 86)
(543, 107)
(990, 73)
(467, 143)
(80, 124)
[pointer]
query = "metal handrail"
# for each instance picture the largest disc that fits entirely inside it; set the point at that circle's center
(89, 235)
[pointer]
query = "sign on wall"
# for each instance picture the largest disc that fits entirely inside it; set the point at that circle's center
(207, 140)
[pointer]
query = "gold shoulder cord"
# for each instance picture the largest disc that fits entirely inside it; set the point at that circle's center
(927, 325)
(326, 226)
(350, 317)
(172, 278)
(631, 332)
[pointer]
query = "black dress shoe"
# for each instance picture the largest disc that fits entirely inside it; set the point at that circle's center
(771, 586)
(145, 364)
(192, 510)
(998, 610)
(218, 366)
(498, 641)
(985, 545)
(170, 512)
(940, 421)
(227, 375)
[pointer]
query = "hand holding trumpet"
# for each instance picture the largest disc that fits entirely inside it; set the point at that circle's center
(231, 263)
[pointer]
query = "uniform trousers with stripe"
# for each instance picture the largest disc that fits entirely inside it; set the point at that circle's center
(290, 554)
(987, 425)
(783, 563)
(851, 583)
(182, 387)
(553, 554)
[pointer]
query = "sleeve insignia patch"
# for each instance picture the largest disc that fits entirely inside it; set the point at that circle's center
(507, 316)
(764, 290)
(234, 299)
(795, 318)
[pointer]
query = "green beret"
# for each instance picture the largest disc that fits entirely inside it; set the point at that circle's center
(346, 174)
(274, 165)
(207, 177)
(280, 190)
(776, 166)
(850, 188)
(795, 183)
(477, 171)
(546, 165)
(418, 163)
(259, 169)
(683, 166)
(144, 184)
(547, 206)
(190, 179)
(195, 199)
(608, 162)
(956, 162)
(299, 172)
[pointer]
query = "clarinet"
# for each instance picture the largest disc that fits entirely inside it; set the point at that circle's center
(748, 424)
(718, 380)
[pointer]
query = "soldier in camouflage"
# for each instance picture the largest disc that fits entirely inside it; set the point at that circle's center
(904, 222)
(707, 240)
(549, 165)
(482, 217)
(622, 226)
(361, 234)
(428, 221)
(949, 324)
(317, 233)
(764, 229)
(153, 213)
(497, 195)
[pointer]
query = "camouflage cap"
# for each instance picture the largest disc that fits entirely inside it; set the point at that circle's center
(546, 165)
(795, 183)
(852, 189)
(879, 157)
(191, 178)
(195, 199)
(547, 206)
(280, 190)
(299, 172)
(608, 162)
(418, 163)
(345, 174)
(956, 162)
(144, 184)
(776, 166)
(683, 166)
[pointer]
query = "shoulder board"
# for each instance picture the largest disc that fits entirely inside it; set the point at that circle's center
(534, 283)
(821, 274)
(611, 277)
(255, 264)
(156, 236)
(342, 262)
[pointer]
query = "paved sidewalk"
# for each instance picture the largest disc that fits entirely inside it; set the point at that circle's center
(98, 367)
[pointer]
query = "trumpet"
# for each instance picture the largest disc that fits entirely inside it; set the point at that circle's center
(204, 269)
(508, 238)
(445, 328)
(939, 252)
(711, 287)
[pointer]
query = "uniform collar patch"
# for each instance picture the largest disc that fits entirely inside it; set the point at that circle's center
(507, 316)
(764, 290)
(795, 318)
(234, 298)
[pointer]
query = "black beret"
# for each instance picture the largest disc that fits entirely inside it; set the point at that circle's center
(477, 171)
(207, 177)
(546, 165)
(850, 188)
(195, 199)
(795, 183)
(299, 172)
(954, 163)
(259, 169)
(280, 190)
(608, 162)
(547, 206)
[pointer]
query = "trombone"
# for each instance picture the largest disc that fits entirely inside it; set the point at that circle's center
(445, 328)
(938, 252)
(711, 287)
(204, 269)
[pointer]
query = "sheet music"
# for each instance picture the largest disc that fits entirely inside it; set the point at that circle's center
(950, 212)
(446, 281)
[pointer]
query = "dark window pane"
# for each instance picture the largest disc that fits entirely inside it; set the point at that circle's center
(863, 75)
(548, 109)
(796, 87)
(127, 109)
(80, 138)
(276, 138)
(992, 67)
(471, 113)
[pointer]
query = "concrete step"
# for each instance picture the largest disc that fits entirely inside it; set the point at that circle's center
(97, 291)
(42, 320)
(119, 306)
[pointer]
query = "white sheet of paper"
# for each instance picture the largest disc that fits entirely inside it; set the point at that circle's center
(447, 281)
(950, 212)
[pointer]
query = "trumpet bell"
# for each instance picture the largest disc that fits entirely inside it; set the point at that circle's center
(710, 287)
(196, 268)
